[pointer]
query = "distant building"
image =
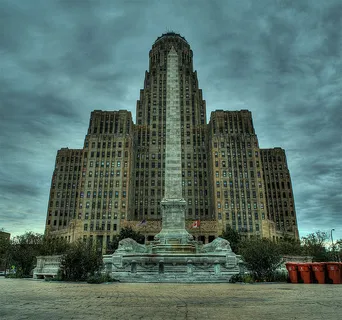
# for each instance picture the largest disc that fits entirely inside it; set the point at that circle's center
(5, 235)
(117, 179)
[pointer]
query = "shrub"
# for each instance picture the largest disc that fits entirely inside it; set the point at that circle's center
(99, 278)
(81, 260)
(261, 257)
(246, 278)
(278, 276)
(233, 237)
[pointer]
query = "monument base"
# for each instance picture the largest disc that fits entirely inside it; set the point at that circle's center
(214, 262)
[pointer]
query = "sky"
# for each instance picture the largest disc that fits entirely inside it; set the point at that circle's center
(61, 59)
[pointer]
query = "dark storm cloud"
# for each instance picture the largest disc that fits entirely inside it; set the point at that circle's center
(62, 59)
(19, 189)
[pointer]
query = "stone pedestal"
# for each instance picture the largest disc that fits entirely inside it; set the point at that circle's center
(173, 223)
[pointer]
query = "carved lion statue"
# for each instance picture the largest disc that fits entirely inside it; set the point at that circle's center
(217, 245)
(130, 245)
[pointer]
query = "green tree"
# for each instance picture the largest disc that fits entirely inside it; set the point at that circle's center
(23, 251)
(81, 260)
(314, 245)
(290, 246)
(261, 256)
(125, 233)
(233, 237)
(50, 246)
(5, 245)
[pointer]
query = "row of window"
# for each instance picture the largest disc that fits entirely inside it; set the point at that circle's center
(236, 184)
(104, 193)
(70, 159)
(104, 183)
(108, 144)
(276, 185)
(248, 194)
(107, 154)
(69, 168)
(64, 186)
(102, 174)
(100, 227)
(107, 164)
(68, 177)
(96, 129)
(102, 204)
(237, 205)
(279, 195)
(103, 215)
(235, 145)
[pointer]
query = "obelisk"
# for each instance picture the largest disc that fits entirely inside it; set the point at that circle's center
(173, 204)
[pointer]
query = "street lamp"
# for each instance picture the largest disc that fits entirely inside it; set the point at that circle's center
(332, 241)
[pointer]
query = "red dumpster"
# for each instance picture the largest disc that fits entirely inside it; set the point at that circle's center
(334, 271)
(293, 271)
(319, 271)
(305, 272)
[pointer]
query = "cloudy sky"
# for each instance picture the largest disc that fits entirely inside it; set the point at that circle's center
(61, 59)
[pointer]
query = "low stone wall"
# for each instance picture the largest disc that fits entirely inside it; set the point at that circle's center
(47, 266)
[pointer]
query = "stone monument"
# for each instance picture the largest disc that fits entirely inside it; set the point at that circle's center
(173, 256)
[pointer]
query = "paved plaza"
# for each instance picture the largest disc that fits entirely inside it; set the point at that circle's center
(38, 299)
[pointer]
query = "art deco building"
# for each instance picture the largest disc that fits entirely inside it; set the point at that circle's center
(64, 189)
(117, 179)
(279, 193)
(238, 186)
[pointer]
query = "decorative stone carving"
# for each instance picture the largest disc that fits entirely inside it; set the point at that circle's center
(217, 245)
(130, 245)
